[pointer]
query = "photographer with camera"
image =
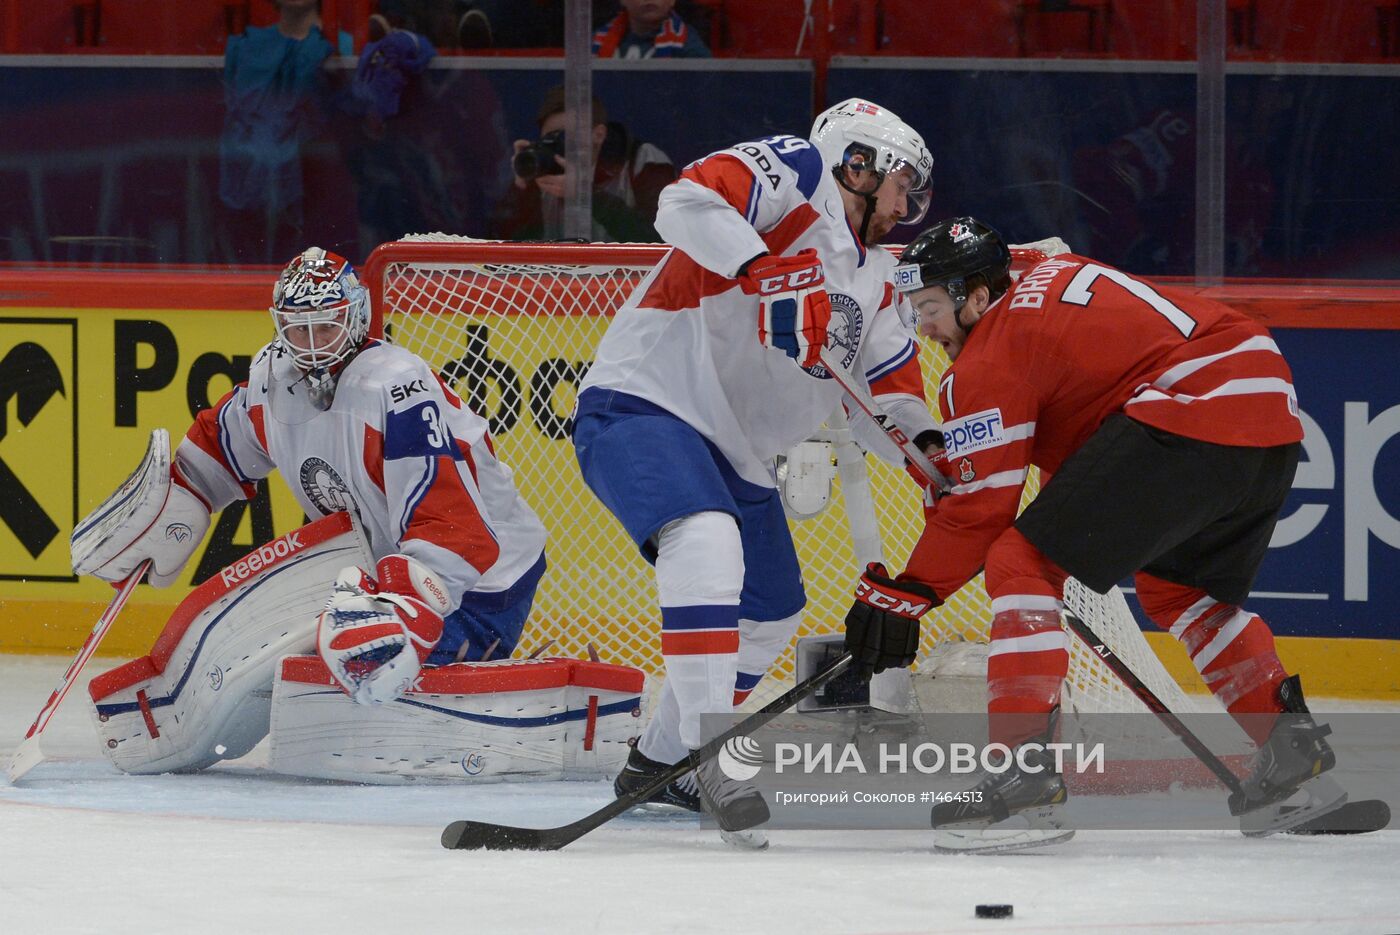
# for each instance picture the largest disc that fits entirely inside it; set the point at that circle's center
(627, 181)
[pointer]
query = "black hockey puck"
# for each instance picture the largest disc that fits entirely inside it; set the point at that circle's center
(994, 911)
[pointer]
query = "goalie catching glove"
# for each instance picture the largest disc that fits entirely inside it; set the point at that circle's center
(374, 635)
(154, 515)
(882, 626)
(793, 307)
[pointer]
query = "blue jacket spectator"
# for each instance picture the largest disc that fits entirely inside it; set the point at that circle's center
(273, 85)
(648, 29)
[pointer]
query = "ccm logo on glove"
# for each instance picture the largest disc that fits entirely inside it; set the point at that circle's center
(795, 279)
(896, 603)
(793, 307)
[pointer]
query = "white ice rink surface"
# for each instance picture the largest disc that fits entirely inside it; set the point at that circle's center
(86, 849)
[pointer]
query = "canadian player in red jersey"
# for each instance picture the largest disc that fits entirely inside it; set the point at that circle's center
(1169, 426)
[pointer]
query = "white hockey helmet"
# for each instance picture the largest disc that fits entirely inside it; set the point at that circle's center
(867, 135)
(320, 309)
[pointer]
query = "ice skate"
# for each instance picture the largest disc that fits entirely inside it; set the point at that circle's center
(1291, 762)
(640, 769)
(1013, 810)
(738, 807)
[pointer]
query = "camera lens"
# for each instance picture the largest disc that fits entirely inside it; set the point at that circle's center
(526, 163)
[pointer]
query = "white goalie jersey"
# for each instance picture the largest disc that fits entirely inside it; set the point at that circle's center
(397, 444)
(687, 338)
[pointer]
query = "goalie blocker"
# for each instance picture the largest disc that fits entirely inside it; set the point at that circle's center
(205, 691)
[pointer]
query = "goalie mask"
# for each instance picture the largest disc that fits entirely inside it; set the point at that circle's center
(321, 312)
(866, 137)
(951, 252)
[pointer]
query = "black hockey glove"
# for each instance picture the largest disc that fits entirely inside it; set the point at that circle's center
(882, 627)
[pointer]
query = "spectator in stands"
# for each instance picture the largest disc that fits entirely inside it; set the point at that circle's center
(399, 183)
(274, 94)
(627, 181)
(648, 29)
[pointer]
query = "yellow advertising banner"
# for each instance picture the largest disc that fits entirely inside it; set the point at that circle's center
(81, 392)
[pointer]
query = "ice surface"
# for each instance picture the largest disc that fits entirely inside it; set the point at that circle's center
(86, 849)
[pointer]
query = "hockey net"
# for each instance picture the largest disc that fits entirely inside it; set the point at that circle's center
(513, 328)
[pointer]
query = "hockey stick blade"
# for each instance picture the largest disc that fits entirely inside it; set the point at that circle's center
(1352, 818)
(481, 836)
(484, 836)
(29, 754)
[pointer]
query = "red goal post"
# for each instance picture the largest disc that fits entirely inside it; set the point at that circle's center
(514, 326)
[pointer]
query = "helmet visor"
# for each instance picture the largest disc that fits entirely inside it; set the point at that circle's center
(914, 186)
(316, 338)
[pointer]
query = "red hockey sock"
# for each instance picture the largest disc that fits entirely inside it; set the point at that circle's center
(1026, 665)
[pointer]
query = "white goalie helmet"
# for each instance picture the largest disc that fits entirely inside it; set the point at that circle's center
(858, 132)
(320, 309)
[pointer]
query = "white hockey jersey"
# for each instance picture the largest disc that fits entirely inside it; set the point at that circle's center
(687, 338)
(397, 443)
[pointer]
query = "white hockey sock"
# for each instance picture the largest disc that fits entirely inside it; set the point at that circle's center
(699, 574)
(761, 642)
(661, 741)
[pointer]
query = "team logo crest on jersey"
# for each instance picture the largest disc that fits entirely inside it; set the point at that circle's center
(324, 487)
(965, 472)
(842, 333)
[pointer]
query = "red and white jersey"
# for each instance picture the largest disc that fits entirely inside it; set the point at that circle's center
(396, 443)
(1070, 344)
(687, 338)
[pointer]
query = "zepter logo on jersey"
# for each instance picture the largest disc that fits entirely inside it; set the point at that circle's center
(324, 487)
(973, 433)
(843, 333)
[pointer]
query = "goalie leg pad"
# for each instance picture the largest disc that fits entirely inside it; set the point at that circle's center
(204, 691)
(509, 720)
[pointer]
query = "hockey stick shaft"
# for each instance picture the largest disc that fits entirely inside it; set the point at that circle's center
(27, 756)
(865, 402)
(1136, 685)
(474, 835)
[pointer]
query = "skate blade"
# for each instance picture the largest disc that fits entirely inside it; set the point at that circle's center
(1323, 796)
(994, 840)
(1043, 827)
(753, 839)
(662, 811)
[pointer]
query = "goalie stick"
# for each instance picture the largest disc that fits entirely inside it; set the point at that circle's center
(478, 835)
(1350, 818)
(28, 755)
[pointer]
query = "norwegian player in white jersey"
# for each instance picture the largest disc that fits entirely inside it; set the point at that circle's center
(450, 555)
(711, 369)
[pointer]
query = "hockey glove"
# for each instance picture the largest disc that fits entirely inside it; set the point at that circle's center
(882, 627)
(374, 636)
(793, 307)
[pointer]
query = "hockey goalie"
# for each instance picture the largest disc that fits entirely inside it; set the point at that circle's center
(373, 643)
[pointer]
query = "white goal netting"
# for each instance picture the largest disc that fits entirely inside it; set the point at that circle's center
(513, 327)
